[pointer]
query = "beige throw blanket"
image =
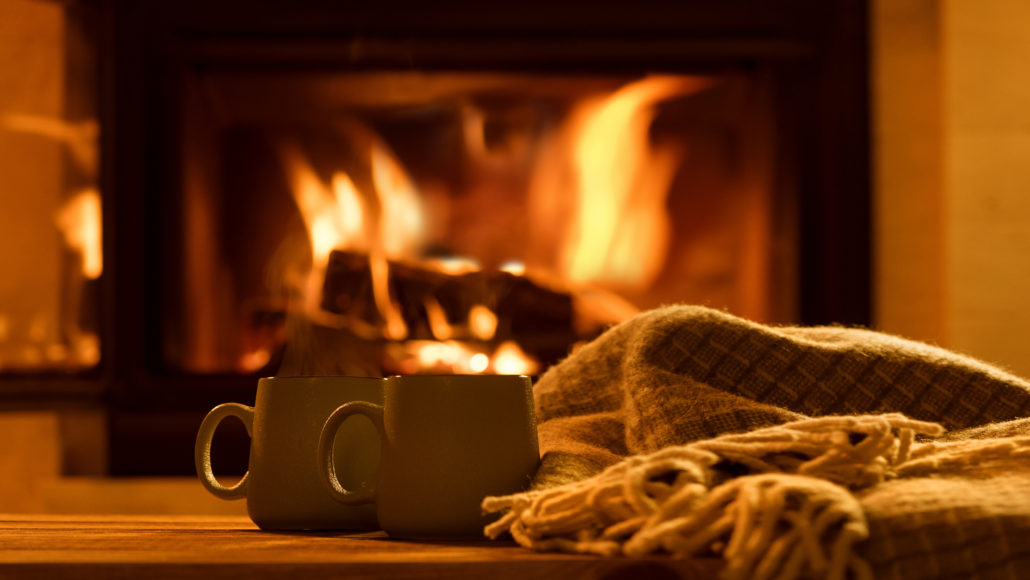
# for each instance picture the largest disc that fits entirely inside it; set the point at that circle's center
(788, 452)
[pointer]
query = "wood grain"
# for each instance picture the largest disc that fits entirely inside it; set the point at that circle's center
(165, 547)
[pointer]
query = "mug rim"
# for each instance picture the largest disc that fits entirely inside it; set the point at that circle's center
(310, 377)
(453, 375)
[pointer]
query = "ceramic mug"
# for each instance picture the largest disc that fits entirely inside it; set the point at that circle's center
(448, 441)
(282, 485)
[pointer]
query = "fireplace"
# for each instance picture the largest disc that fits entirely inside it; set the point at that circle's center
(524, 176)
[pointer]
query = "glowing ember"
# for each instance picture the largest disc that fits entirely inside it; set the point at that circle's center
(513, 267)
(443, 357)
(455, 265)
(463, 358)
(479, 362)
(254, 360)
(510, 360)
(482, 322)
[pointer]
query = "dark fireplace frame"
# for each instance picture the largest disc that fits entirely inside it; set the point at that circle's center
(818, 51)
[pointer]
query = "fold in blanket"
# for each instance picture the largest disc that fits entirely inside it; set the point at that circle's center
(786, 451)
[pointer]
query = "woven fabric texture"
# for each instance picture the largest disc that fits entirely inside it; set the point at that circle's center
(684, 374)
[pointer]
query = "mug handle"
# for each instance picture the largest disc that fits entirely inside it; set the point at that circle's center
(202, 449)
(327, 443)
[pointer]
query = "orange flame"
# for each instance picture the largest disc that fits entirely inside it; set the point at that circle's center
(439, 327)
(334, 217)
(339, 218)
(509, 359)
(452, 356)
(620, 230)
(482, 322)
(401, 223)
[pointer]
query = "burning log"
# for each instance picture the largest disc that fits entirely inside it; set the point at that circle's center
(436, 304)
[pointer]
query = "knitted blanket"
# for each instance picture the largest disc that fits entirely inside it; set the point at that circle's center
(787, 451)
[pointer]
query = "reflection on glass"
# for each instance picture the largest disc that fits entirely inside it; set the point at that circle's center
(50, 226)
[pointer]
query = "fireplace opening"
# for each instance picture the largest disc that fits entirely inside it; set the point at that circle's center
(465, 221)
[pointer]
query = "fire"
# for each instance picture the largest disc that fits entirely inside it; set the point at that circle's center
(340, 216)
(451, 356)
(598, 189)
(333, 216)
(482, 322)
(620, 231)
(401, 222)
(440, 328)
(509, 359)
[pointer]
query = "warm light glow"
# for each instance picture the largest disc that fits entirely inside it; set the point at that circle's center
(87, 348)
(620, 230)
(79, 220)
(333, 218)
(479, 362)
(439, 327)
(395, 328)
(338, 218)
(254, 360)
(444, 357)
(509, 359)
(430, 356)
(401, 223)
(513, 267)
(455, 265)
(349, 212)
(482, 322)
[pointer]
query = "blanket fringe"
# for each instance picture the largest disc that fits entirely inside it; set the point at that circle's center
(773, 503)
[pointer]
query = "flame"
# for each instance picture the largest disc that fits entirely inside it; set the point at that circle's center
(334, 217)
(450, 356)
(395, 328)
(482, 322)
(620, 230)
(439, 327)
(445, 357)
(338, 217)
(509, 359)
(455, 265)
(401, 223)
(479, 362)
(254, 360)
(515, 267)
(79, 220)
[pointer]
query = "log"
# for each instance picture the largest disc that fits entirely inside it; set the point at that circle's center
(540, 319)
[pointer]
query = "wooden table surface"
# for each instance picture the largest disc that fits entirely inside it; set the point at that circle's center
(159, 547)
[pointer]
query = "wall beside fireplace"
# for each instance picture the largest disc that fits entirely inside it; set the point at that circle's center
(951, 112)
